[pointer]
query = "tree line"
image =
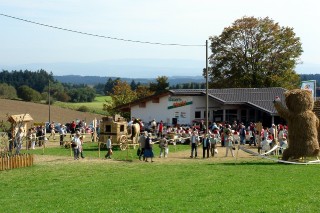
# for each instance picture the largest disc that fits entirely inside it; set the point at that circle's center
(34, 86)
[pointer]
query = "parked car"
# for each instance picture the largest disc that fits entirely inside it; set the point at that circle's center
(56, 127)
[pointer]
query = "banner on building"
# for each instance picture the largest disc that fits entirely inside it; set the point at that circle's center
(175, 102)
(311, 86)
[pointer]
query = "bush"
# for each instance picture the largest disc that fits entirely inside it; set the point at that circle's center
(83, 108)
(28, 94)
(8, 91)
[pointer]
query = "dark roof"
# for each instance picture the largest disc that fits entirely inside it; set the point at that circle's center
(260, 98)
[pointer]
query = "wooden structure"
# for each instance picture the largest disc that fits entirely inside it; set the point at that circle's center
(117, 128)
(8, 162)
(19, 121)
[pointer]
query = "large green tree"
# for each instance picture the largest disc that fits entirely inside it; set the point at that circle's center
(255, 53)
(161, 85)
(121, 94)
(108, 87)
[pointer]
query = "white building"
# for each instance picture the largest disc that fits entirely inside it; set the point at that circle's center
(183, 106)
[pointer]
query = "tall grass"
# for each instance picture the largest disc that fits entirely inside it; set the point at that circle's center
(195, 185)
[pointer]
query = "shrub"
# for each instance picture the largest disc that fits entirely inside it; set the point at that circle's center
(83, 108)
(8, 91)
(28, 94)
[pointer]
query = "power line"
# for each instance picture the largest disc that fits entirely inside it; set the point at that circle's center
(102, 36)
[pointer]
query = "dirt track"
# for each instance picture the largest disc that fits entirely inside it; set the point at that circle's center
(173, 157)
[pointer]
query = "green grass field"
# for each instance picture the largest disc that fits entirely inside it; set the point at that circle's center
(94, 107)
(129, 185)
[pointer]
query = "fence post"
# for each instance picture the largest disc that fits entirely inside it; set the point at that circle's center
(99, 149)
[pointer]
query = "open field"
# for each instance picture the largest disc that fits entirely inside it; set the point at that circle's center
(57, 183)
(40, 112)
(95, 107)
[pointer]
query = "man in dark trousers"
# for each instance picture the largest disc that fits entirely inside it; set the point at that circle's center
(142, 143)
(206, 146)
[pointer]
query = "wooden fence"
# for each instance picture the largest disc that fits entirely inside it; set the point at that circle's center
(15, 161)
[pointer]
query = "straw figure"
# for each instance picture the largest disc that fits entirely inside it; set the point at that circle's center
(302, 123)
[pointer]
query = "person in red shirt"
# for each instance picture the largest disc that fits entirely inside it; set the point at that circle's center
(160, 129)
(73, 127)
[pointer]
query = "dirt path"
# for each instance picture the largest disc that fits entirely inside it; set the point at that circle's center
(173, 157)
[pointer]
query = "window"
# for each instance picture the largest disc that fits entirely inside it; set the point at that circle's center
(121, 128)
(197, 114)
(155, 100)
(218, 115)
(243, 115)
(107, 128)
(142, 105)
(231, 115)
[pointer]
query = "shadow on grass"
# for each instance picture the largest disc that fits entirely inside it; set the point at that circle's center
(255, 163)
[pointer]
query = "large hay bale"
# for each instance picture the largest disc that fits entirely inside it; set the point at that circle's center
(302, 123)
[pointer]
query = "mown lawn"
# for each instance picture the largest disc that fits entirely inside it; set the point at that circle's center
(94, 107)
(193, 185)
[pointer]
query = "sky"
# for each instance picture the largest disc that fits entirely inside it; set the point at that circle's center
(186, 22)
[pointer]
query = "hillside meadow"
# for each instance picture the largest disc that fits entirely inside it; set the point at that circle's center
(40, 112)
(94, 107)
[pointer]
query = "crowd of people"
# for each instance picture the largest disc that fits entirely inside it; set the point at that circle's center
(226, 134)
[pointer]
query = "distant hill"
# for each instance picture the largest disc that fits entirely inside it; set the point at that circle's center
(123, 68)
(145, 68)
(92, 80)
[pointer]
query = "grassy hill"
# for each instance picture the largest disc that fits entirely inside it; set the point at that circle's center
(95, 107)
(40, 112)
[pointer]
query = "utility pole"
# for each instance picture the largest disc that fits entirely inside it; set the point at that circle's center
(207, 96)
(49, 101)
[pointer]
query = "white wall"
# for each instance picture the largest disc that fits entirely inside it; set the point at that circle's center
(160, 111)
(152, 111)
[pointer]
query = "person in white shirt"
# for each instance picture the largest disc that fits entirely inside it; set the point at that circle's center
(76, 143)
(62, 133)
(33, 137)
(109, 148)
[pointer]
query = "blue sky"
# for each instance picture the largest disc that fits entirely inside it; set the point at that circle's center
(164, 21)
